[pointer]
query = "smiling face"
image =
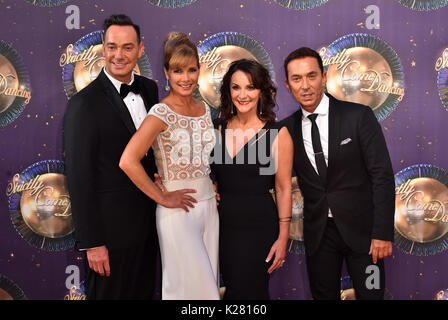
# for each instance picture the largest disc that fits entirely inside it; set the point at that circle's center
(183, 79)
(306, 82)
(122, 51)
(244, 94)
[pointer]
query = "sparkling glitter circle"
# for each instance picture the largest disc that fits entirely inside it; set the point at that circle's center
(14, 110)
(172, 4)
(47, 3)
(301, 4)
(36, 240)
(442, 84)
(11, 288)
(424, 5)
(386, 51)
(414, 247)
(442, 294)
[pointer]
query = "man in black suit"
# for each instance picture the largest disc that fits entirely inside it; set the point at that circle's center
(346, 178)
(114, 220)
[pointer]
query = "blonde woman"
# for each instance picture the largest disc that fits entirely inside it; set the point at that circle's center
(180, 131)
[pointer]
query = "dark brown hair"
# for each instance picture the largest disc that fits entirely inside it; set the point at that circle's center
(179, 50)
(300, 53)
(120, 20)
(261, 79)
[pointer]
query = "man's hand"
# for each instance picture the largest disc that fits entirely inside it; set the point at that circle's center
(380, 249)
(159, 183)
(99, 260)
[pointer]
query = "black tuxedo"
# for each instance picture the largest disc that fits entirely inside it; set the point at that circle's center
(360, 188)
(108, 209)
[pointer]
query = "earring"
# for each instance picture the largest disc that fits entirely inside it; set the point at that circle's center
(231, 109)
(167, 86)
(261, 109)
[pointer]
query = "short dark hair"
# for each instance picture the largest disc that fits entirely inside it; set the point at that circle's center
(260, 78)
(120, 20)
(303, 52)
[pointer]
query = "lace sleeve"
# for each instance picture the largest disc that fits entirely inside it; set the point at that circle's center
(159, 111)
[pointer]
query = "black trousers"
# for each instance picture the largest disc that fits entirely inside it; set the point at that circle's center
(324, 269)
(132, 274)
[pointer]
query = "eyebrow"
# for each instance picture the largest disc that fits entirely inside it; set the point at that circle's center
(308, 74)
(126, 44)
(236, 84)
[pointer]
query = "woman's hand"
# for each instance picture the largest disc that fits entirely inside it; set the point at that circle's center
(178, 199)
(218, 197)
(279, 250)
(283, 151)
(175, 199)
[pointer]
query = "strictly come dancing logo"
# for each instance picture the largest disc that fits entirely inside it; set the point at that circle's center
(364, 69)
(442, 77)
(15, 91)
(421, 217)
(39, 206)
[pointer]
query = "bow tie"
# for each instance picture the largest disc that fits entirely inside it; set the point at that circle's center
(125, 89)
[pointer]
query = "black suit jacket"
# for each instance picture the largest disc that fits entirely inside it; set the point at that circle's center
(107, 208)
(360, 189)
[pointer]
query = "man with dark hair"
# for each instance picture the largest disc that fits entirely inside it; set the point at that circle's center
(114, 220)
(121, 20)
(346, 178)
(303, 52)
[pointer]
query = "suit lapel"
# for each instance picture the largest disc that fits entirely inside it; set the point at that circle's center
(115, 100)
(334, 123)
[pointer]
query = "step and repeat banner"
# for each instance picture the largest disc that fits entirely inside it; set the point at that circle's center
(391, 55)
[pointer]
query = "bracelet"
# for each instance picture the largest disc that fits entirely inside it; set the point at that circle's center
(287, 219)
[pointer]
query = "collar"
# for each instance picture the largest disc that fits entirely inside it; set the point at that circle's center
(115, 82)
(321, 109)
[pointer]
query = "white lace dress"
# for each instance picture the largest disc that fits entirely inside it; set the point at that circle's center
(188, 241)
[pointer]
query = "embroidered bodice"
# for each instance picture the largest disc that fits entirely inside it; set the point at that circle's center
(182, 151)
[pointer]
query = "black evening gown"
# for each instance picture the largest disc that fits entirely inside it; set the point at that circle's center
(247, 213)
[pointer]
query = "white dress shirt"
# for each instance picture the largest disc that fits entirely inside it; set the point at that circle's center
(322, 123)
(134, 102)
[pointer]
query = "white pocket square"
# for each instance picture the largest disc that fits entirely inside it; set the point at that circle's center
(345, 141)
